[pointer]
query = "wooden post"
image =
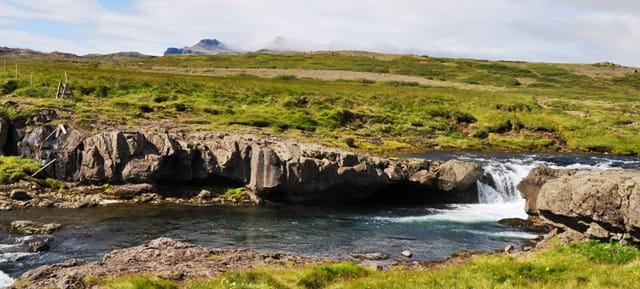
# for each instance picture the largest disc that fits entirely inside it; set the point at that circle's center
(43, 168)
(31, 79)
(58, 91)
(66, 79)
(16, 70)
(64, 91)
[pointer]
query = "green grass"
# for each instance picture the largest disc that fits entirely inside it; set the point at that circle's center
(556, 108)
(140, 283)
(581, 265)
(235, 193)
(14, 168)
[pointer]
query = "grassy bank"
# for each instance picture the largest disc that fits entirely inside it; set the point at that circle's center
(580, 265)
(483, 106)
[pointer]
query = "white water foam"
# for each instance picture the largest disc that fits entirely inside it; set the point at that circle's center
(497, 193)
(467, 213)
(5, 280)
(507, 234)
(12, 257)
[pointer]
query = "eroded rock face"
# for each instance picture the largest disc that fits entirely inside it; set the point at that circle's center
(597, 204)
(272, 168)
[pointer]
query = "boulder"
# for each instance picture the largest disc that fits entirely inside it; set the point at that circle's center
(19, 195)
(596, 204)
(37, 244)
(32, 228)
(371, 256)
(455, 175)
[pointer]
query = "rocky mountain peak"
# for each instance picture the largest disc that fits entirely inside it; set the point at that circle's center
(209, 44)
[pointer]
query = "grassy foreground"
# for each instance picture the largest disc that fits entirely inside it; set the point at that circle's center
(456, 104)
(579, 265)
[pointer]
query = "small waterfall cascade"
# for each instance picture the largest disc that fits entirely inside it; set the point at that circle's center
(498, 184)
(502, 174)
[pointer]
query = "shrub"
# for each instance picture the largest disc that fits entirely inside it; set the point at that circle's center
(211, 111)
(102, 91)
(402, 83)
(286, 77)
(9, 86)
(160, 98)
(481, 133)
(463, 117)
(86, 90)
(145, 108)
(181, 107)
(351, 142)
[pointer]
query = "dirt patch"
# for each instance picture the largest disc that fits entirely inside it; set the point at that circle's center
(603, 69)
(327, 75)
(526, 80)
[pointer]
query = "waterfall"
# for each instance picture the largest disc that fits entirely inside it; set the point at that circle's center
(498, 184)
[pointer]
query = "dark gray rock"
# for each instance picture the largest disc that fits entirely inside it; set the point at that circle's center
(39, 243)
(19, 195)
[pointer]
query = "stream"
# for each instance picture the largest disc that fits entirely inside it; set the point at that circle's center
(431, 233)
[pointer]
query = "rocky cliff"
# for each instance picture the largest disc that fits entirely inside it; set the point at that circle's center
(593, 204)
(272, 168)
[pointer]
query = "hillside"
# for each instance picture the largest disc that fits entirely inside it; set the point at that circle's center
(367, 101)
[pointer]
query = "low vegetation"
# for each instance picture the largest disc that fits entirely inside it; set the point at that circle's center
(580, 265)
(470, 104)
(14, 168)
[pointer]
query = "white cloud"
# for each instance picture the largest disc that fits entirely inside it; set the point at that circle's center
(541, 30)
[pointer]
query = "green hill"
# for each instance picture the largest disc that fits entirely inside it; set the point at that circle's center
(371, 102)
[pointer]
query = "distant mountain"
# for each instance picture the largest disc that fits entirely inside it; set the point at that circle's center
(276, 45)
(205, 46)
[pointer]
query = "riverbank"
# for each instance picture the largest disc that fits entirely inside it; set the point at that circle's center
(165, 263)
(352, 228)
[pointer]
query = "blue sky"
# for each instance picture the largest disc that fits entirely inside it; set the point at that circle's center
(116, 5)
(533, 30)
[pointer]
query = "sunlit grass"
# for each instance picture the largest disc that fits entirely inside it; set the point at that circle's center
(563, 110)
(580, 265)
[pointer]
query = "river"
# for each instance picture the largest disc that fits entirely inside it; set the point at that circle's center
(431, 233)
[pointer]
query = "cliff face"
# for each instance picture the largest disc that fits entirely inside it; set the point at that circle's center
(595, 204)
(274, 169)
